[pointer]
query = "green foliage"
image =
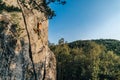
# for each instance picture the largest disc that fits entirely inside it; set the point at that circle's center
(3, 7)
(110, 66)
(110, 44)
(88, 60)
(44, 6)
(2, 24)
(61, 41)
(49, 12)
(52, 1)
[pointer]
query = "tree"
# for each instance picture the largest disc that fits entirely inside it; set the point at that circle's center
(109, 66)
(61, 41)
(86, 60)
(50, 44)
(35, 4)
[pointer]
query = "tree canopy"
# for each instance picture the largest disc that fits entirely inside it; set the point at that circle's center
(40, 5)
(88, 60)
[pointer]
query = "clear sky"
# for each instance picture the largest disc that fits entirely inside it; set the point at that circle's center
(85, 19)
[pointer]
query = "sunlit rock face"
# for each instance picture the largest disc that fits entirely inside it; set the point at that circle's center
(17, 60)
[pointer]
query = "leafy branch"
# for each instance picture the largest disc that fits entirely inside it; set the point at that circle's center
(4, 7)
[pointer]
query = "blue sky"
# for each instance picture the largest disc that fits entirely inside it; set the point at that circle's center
(85, 19)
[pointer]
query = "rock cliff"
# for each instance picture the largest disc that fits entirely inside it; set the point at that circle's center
(24, 52)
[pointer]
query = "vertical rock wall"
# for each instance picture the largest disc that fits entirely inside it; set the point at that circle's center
(17, 63)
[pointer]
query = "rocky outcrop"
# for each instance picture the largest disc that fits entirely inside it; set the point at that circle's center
(24, 52)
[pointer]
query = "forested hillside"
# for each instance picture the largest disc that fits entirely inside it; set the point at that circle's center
(88, 60)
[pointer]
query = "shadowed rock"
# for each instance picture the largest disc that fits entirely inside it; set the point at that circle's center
(24, 55)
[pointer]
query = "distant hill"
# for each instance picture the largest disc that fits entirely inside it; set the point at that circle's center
(110, 44)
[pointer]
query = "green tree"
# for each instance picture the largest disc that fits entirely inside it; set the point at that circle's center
(87, 60)
(61, 41)
(109, 66)
(42, 7)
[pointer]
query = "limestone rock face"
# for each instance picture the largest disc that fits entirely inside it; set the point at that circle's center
(24, 52)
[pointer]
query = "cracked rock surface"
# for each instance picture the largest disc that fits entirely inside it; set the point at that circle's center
(24, 57)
